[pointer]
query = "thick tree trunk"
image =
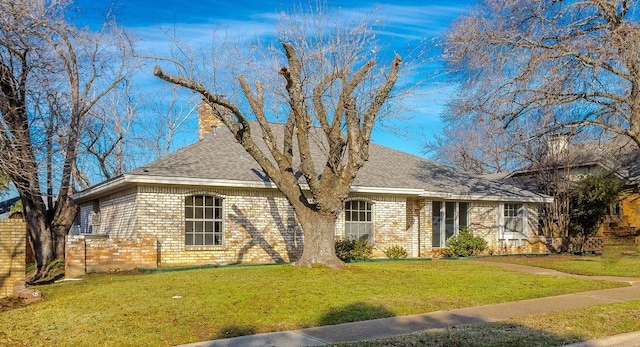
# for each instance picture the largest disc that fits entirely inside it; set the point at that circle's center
(63, 217)
(40, 234)
(319, 240)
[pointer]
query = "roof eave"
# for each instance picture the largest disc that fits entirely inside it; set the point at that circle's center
(101, 189)
(145, 179)
(127, 180)
(483, 197)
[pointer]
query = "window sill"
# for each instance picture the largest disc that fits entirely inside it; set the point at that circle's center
(513, 236)
(94, 236)
(205, 248)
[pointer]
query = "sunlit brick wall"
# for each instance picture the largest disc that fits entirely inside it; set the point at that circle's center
(12, 256)
(259, 226)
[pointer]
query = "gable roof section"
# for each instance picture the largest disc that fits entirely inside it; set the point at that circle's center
(622, 158)
(219, 160)
(631, 163)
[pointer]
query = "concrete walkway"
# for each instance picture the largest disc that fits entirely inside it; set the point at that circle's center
(394, 326)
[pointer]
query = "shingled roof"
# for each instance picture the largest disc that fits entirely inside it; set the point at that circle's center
(618, 155)
(219, 160)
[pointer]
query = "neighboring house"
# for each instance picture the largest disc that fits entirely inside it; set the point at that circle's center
(210, 203)
(5, 207)
(623, 160)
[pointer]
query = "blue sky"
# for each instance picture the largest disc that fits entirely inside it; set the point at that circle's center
(405, 23)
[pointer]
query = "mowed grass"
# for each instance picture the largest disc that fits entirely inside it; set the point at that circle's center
(621, 257)
(549, 329)
(187, 306)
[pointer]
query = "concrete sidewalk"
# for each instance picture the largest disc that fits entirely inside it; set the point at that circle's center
(394, 326)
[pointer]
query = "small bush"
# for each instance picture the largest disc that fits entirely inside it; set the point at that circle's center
(396, 252)
(343, 249)
(464, 244)
(351, 249)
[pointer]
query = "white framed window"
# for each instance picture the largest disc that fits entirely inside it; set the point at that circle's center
(447, 219)
(358, 220)
(513, 223)
(203, 221)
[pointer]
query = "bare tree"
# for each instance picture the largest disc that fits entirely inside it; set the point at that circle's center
(109, 137)
(49, 68)
(327, 77)
(164, 122)
(480, 146)
(562, 64)
(548, 171)
(124, 130)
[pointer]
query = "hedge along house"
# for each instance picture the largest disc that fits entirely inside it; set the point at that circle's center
(210, 203)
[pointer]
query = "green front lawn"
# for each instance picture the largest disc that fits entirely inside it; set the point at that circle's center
(621, 258)
(187, 306)
(549, 329)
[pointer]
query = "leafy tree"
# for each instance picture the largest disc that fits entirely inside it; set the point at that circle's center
(558, 64)
(328, 77)
(590, 201)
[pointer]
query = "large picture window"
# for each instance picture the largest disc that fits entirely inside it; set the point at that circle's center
(358, 220)
(203, 221)
(447, 218)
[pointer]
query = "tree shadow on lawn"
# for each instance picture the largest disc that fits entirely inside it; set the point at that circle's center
(358, 311)
(235, 331)
(355, 312)
(440, 329)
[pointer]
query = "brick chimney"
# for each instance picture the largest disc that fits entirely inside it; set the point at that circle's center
(208, 119)
(557, 144)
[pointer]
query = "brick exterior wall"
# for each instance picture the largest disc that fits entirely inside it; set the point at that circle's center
(628, 222)
(13, 249)
(417, 227)
(100, 253)
(259, 227)
(484, 221)
(389, 222)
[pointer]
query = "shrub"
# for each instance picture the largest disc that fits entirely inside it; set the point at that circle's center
(464, 244)
(396, 252)
(351, 249)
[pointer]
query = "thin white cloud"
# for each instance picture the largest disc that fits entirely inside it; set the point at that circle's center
(401, 26)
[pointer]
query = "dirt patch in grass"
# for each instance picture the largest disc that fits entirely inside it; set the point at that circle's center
(11, 303)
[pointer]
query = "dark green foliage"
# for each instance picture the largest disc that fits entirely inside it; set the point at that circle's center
(464, 244)
(396, 252)
(590, 200)
(351, 249)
